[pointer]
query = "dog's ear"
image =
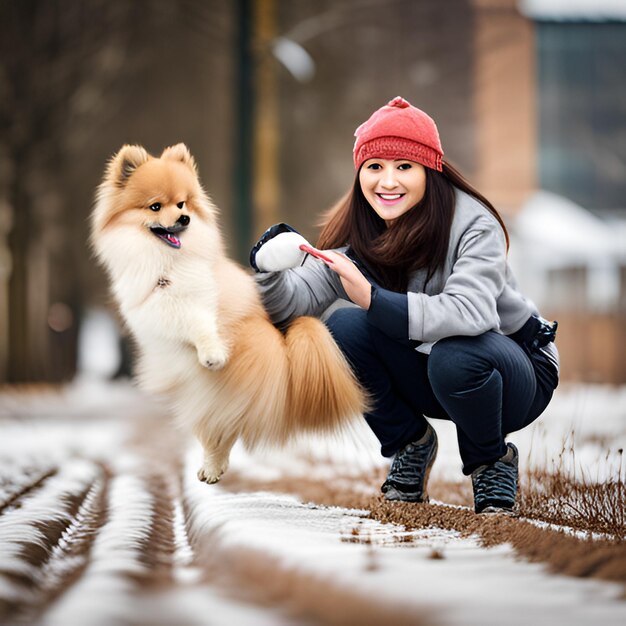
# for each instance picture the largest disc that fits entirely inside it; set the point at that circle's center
(181, 153)
(124, 164)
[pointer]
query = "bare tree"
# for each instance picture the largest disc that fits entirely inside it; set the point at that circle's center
(57, 58)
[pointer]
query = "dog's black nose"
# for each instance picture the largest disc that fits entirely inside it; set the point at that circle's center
(183, 220)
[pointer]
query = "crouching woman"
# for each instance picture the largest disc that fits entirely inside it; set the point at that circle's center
(438, 327)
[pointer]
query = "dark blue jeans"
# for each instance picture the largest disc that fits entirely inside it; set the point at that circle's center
(487, 385)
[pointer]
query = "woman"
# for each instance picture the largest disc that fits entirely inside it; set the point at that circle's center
(439, 327)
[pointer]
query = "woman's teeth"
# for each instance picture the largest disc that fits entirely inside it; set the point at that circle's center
(390, 197)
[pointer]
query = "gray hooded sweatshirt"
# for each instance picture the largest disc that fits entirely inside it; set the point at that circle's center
(473, 292)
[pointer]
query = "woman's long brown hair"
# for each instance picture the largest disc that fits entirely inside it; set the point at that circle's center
(417, 239)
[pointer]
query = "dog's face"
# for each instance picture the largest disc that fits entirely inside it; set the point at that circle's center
(160, 196)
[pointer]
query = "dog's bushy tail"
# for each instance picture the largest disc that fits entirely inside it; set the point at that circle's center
(323, 391)
(297, 382)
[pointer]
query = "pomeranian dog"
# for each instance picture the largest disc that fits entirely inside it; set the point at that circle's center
(204, 338)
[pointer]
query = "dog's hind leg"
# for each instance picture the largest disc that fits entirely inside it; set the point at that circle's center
(216, 454)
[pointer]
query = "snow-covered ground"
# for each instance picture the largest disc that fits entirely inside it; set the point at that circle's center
(590, 419)
(72, 460)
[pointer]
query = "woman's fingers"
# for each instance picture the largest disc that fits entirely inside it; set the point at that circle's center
(355, 284)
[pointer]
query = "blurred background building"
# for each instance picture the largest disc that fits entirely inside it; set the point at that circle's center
(529, 97)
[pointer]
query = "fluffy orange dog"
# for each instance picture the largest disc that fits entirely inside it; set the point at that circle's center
(204, 338)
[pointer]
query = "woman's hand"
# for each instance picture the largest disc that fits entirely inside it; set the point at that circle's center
(357, 287)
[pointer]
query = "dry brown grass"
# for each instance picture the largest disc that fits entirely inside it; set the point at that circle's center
(572, 498)
(557, 497)
(586, 506)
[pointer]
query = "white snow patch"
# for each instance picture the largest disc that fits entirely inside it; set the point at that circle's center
(83, 397)
(184, 571)
(202, 605)
(594, 10)
(587, 423)
(318, 457)
(99, 352)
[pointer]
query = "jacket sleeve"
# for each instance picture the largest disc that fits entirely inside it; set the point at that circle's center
(389, 312)
(468, 303)
(306, 290)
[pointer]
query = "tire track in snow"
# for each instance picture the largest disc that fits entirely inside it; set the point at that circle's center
(71, 554)
(30, 533)
(16, 483)
(119, 561)
(160, 545)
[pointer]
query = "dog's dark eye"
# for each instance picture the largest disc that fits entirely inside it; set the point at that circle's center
(180, 205)
(155, 207)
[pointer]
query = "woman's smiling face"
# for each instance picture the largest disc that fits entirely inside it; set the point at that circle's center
(392, 187)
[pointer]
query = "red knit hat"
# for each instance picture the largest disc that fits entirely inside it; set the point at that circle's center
(399, 131)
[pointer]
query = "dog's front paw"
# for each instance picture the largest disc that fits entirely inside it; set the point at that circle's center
(213, 358)
(210, 474)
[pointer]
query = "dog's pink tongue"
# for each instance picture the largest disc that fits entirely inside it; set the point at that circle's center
(172, 239)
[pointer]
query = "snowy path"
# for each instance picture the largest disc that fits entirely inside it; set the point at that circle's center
(102, 521)
(470, 585)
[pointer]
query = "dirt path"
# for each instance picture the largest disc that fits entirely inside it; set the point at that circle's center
(103, 522)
